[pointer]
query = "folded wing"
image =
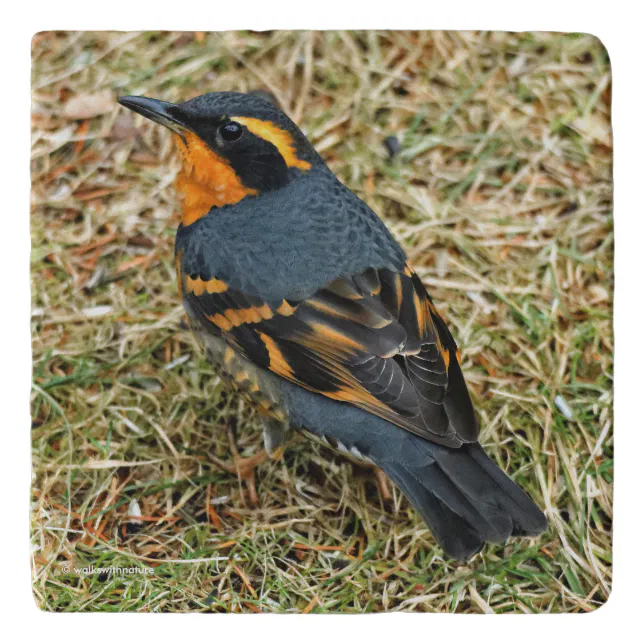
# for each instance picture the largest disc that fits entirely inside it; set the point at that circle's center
(373, 340)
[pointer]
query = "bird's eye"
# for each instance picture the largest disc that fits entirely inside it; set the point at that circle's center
(230, 131)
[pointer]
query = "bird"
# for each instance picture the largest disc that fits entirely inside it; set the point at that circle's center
(304, 301)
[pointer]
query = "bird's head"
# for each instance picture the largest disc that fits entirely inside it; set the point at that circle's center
(232, 146)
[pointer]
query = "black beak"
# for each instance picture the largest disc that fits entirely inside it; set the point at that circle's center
(157, 111)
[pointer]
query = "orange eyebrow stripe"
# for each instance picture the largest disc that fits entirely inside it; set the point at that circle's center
(199, 286)
(280, 138)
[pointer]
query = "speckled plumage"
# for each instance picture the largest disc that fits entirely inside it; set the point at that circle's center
(267, 246)
(304, 300)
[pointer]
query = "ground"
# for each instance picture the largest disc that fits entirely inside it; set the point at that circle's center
(501, 193)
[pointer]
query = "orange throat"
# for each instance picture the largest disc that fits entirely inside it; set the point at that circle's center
(205, 180)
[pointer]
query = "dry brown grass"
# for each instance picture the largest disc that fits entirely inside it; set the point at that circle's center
(502, 196)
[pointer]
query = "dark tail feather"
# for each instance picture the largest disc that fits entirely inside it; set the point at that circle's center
(455, 536)
(465, 499)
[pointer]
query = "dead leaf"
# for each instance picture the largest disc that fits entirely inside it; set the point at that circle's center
(123, 127)
(87, 106)
(594, 126)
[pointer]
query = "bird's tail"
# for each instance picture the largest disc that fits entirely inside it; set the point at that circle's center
(466, 499)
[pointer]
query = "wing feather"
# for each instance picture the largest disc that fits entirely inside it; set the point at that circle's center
(374, 340)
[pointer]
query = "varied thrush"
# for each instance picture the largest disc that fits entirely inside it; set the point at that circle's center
(303, 299)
